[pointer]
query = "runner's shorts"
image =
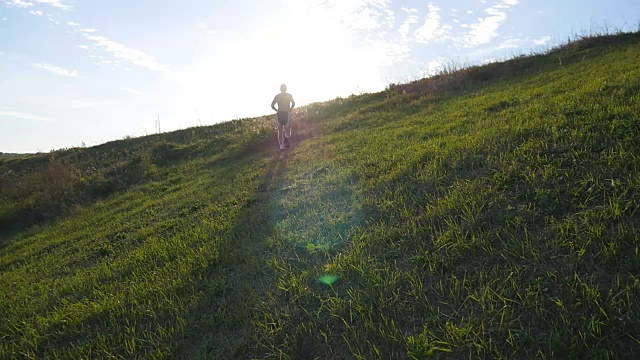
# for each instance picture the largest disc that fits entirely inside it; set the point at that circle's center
(283, 118)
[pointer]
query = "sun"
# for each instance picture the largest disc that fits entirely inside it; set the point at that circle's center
(322, 63)
(317, 59)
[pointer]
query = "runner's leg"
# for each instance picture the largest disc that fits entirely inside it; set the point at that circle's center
(278, 128)
(287, 130)
(280, 131)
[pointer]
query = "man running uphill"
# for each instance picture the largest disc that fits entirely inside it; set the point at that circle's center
(283, 118)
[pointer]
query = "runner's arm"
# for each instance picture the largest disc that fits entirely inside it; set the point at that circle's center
(273, 103)
(293, 103)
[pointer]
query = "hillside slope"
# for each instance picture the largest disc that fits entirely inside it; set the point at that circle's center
(487, 213)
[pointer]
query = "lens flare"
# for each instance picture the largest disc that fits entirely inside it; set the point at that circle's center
(329, 279)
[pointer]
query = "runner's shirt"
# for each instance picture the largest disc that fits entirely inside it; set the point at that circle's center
(284, 101)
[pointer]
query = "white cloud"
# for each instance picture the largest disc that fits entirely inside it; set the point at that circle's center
(432, 30)
(55, 3)
(27, 4)
(18, 3)
(363, 15)
(88, 30)
(130, 90)
(542, 41)
(85, 47)
(510, 44)
(485, 29)
(19, 115)
(385, 53)
(36, 13)
(411, 19)
(390, 18)
(355, 16)
(57, 70)
(120, 51)
(433, 67)
(360, 25)
(73, 24)
(205, 28)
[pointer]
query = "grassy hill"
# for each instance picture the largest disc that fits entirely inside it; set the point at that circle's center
(11, 155)
(491, 212)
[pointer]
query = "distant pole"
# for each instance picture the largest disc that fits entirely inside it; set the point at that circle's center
(159, 129)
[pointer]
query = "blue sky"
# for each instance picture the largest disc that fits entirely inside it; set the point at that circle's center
(74, 72)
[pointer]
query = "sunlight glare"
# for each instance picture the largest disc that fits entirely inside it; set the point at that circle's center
(314, 55)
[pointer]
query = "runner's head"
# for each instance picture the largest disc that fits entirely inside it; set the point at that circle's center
(283, 87)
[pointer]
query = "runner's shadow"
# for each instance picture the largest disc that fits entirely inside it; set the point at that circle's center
(221, 325)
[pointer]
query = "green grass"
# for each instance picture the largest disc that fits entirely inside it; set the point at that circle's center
(11, 155)
(487, 213)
